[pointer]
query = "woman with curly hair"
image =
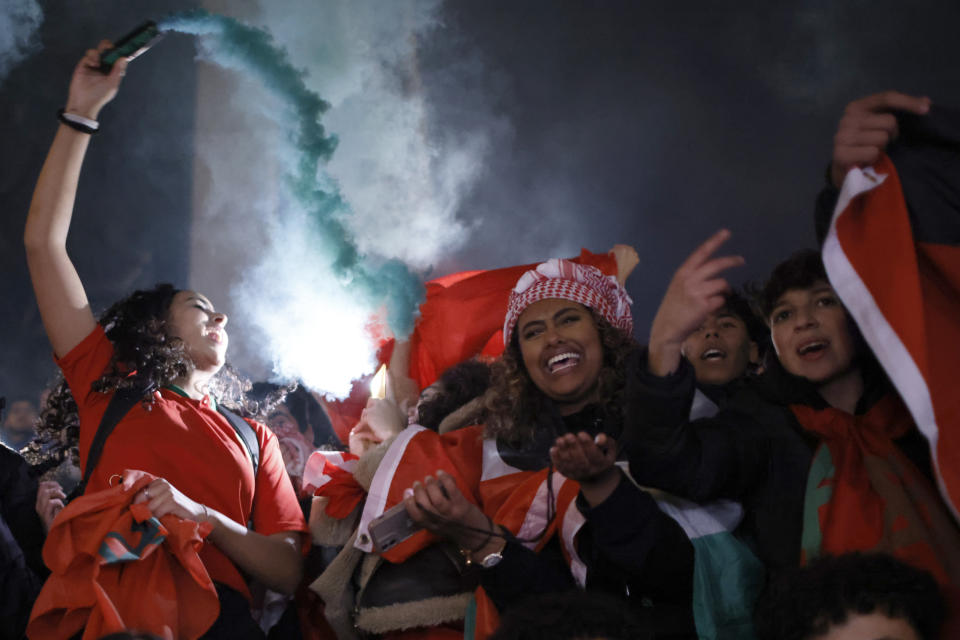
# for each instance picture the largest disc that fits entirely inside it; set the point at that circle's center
(532, 502)
(165, 347)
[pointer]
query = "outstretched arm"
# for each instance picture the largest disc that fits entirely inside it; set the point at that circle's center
(60, 295)
(695, 290)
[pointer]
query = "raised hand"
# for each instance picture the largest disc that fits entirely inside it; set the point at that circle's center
(583, 458)
(867, 127)
(380, 420)
(696, 290)
(627, 260)
(589, 461)
(89, 88)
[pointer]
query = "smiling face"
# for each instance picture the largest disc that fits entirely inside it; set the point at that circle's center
(561, 350)
(193, 319)
(720, 349)
(811, 335)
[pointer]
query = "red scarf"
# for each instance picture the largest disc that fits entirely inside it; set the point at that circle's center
(115, 567)
(868, 496)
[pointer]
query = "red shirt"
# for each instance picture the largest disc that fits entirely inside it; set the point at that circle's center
(190, 445)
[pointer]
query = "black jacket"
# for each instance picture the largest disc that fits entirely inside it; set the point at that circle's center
(753, 450)
(631, 548)
(21, 541)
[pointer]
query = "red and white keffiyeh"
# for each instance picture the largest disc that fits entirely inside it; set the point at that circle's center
(567, 280)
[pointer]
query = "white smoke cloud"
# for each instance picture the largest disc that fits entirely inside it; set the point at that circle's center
(401, 180)
(312, 325)
(19, 21)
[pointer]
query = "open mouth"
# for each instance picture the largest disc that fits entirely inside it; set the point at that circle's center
(713, 354)
(563, 361)
(216, 336)
(812, 348)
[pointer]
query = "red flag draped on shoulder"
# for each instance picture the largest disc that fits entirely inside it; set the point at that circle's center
(905, 297)
(533, 506)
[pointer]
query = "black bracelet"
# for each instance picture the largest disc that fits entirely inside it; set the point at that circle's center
(489, 534)
(78, 123)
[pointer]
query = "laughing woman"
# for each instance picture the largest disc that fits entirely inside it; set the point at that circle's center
(166, 347)
(490, 494)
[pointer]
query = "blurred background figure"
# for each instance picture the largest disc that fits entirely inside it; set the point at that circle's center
(19, 423)
(21, 539)
(299, 422)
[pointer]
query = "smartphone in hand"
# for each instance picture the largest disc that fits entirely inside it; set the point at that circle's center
(391, 527)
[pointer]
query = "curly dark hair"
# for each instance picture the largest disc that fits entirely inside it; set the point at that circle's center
(513, 402)
(807, 602)
(137, 327)
(58, 431)
(458, 385)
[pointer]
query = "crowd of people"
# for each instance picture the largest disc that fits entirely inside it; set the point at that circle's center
(757, 469)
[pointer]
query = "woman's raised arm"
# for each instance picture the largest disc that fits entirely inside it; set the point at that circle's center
(60, 295)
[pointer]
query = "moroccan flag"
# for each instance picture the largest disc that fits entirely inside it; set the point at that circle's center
(892, 252)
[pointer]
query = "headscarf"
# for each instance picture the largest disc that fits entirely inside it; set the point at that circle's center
(567, 280)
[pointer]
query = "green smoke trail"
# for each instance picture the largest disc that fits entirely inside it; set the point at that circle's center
(233, 44)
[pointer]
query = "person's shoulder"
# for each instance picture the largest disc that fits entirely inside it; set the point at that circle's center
(10, 460)
(95, 341)
(763, 406)
(262, 431)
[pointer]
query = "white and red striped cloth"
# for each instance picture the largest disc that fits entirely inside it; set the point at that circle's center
(567, 280)
(905, 297)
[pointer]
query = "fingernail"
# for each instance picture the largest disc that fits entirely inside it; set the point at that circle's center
(407, 493)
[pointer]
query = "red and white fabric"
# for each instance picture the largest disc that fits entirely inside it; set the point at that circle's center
(513, 498)
(566, 280)
(905, 297)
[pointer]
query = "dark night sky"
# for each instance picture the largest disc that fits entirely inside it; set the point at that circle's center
(646, 123)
